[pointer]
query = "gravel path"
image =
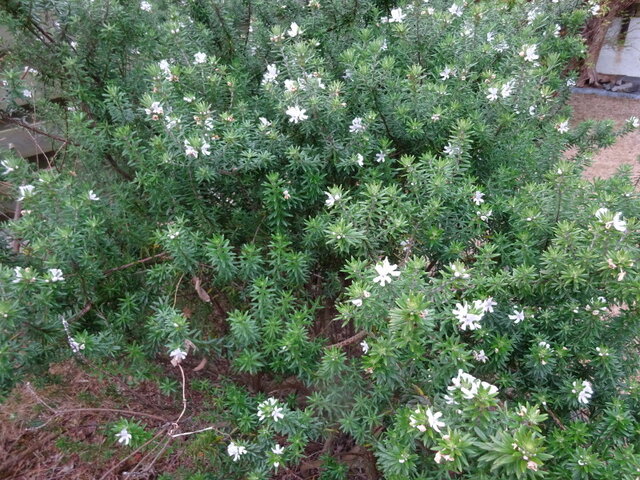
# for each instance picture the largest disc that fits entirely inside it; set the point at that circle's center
(626, 149)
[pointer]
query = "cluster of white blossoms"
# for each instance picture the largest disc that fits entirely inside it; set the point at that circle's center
(199, 58)
(8, 167)
(385, 271)
(145, 6)
(270, 408)
(92, 196)
(604, 215)
(456, 10)
(529, 53)
(365, 347)
(332, 198)
(504, 91)
(235, 451)
(584, 390)
(191, 151)
(358, 301)
(634, 122)
(155, 110)
(469, 386)
(421, 417)
(469, 316)
(459, 271)
(27, 275)
(277, 450)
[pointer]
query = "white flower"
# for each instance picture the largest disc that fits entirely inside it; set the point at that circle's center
(236, 451)
(478, 197)
(571, 82)
(385, 271)
(459, 271)
(517, 316)
(205, 149)
(557, 30)
(331, 199)
(439, 457)
(563, 127)
(544, 345)
(595, 9)
(507, 89)
(123, 436)
(297, 114)
(357, 126)
(633, 121)
(7, 168)
(19, 274)
(270, 407)
(360, 160)
(468, 316)
(396, 16)
(380, 157)
(447, 73)
(294, 30)
(75, 346)
(492, 96)
(480, 356)
(155, 109)
(452, 150)
(271, 74)
(469, 386)
(616, 222)
(290, 86)
(146, 6)
(264, 122)
(25, 191)
(188, 98)
(177, 356)
(365, 347)
(27, 93)
(529, 52)
(433, 420)
(357, 302)
(286, 195)
(56, 275)
(199, 58)
(484, 216)
(93, 196)
(532, 110)
(584, 390)
(455, 10)
(277, 450)
(189, 151)
(488, 305)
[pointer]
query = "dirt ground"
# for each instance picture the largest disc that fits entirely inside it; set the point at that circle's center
(626, 149)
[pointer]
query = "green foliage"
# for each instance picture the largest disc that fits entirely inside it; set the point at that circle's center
(374, 216)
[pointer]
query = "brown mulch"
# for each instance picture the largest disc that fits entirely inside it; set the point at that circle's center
(627, 149)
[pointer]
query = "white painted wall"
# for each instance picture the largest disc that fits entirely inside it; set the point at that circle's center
(623, 59)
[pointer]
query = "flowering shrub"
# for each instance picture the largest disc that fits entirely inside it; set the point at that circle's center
(381, 202)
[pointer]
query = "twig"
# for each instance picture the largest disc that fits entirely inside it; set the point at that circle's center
(26, 126)
(184, 396)
(206, 429)
(350, 340)
(112, 469)
(555, 418)
(162, 256)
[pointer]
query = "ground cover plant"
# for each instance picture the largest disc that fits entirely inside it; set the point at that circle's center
(371, 214)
